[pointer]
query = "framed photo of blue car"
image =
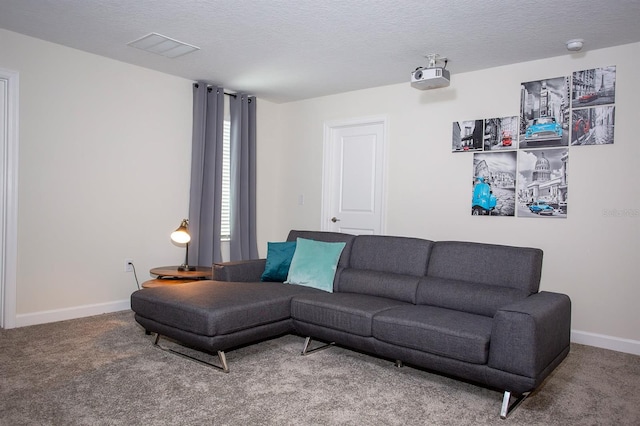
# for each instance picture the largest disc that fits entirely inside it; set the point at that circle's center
(544, 113)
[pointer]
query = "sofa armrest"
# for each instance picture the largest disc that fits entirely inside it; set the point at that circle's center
(239, 271)
(530, 334)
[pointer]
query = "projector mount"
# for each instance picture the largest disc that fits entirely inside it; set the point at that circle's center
(433, 59)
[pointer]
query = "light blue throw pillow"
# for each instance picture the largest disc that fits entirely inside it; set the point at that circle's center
(314, 264)
(279, 257)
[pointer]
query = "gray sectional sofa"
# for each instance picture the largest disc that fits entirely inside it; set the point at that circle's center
(468, 310)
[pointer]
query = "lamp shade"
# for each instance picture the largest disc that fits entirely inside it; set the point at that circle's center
(181, 235)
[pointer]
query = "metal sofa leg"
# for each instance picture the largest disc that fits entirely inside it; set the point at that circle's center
(307, 343)
(221, 356)
(508, 406)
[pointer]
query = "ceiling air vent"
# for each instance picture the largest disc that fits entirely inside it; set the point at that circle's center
(162, 45)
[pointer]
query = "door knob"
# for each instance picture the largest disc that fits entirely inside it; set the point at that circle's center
(335, 219)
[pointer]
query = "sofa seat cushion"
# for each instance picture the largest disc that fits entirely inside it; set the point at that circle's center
(347, 312)
(453, 334)
(212, 308)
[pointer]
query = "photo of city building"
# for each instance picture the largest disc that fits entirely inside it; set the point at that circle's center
(543, 183)
(467, 136)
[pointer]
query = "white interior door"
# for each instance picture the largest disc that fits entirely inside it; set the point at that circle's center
(354, 167)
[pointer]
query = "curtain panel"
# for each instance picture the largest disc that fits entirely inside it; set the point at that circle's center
(205, 198)
(243, 244)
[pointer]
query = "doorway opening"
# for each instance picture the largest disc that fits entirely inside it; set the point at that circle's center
(8, 196)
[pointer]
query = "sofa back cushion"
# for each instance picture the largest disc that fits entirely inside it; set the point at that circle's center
(386, 266)
(479, 278)
(398, 255)
(489, 264)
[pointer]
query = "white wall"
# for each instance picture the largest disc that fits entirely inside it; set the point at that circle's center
(103, 176)
(589, 256)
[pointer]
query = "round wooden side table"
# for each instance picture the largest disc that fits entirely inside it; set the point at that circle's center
(170, 275)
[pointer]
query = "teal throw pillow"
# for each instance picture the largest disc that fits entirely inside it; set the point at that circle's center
(314, 264)
(279, 257)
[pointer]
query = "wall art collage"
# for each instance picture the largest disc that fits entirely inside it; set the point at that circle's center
(520, 163)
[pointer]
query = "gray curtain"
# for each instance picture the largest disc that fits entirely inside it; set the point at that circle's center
(243, 245)
(206, 175)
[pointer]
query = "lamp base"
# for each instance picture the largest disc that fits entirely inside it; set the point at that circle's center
(185, 267)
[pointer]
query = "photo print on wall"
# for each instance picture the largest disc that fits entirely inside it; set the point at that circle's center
(594, 87)
(467, 136)
(593, 126)
(543, 183)
(593, 113)
(501, 133)
(494, 184)
(544, 113)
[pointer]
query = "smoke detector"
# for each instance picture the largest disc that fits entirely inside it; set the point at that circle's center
(575, 45)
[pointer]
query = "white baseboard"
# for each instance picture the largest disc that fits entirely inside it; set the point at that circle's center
(43, 317)
(606, 342)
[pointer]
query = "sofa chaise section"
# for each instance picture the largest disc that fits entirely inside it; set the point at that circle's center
(215, 316)
(232, 309)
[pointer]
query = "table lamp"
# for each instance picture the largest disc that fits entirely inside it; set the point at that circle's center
(181, 236)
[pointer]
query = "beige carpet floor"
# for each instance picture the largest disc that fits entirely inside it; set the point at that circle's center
(103, 370)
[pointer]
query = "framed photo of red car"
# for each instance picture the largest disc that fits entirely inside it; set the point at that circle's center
(593, 126)
(501, 134)
(593, 87)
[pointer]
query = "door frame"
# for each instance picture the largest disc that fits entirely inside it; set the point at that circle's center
(9, 201)
(327, 165)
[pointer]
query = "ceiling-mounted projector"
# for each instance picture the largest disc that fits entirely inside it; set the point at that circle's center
(430, 77)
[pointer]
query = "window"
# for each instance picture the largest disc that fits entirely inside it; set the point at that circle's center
(225, 229)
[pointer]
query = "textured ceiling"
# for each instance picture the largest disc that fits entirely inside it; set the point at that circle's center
(286, 50)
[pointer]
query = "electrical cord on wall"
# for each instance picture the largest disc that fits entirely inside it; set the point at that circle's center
(134, 274)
